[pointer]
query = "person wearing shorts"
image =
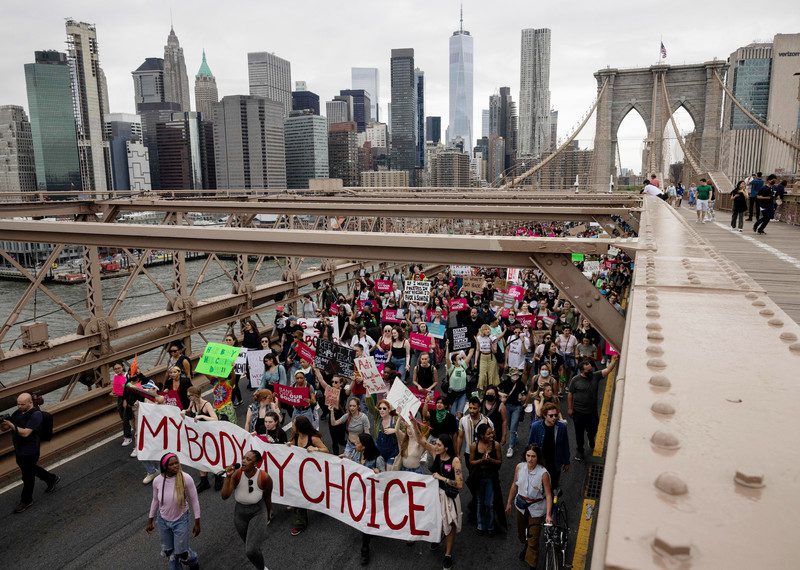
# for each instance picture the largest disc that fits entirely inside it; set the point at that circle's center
(703, 195)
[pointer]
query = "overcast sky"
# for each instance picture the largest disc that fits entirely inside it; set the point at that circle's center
(323, 40)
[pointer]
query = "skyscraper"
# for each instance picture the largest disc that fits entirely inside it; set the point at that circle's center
(249, 145)
(485, 123)
(343, 153)
(553, 130)
(176, 80)
(419, 119)
(148, 82)
(433, 129)
(55, 143)
(460, 85)
(121, 129)
(270, 77)
(180, 151)
(306, 136)
(17, 168)
(340, 110)
(205, 90)
(450, 168)
(404, 111)
(366, 78)
(84, 57)
(503, 124)
(534, 92)
(152, 114)
(304, 100)
(361, 107)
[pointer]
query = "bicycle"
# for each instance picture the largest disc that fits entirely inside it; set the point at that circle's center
(556, 537)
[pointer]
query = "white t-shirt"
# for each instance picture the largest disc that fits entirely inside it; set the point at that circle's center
(652, 190)
(467, 426)
(567, 344)
(517, 347)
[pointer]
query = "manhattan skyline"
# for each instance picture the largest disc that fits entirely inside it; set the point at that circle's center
(583, 41)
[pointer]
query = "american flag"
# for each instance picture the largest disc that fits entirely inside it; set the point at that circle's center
(663, 51)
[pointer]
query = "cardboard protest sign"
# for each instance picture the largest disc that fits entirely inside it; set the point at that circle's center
(420, 341)
(391, 316)
(461, 270)
(459, 304)
(240, 365)
(613, 251)
(516, 292)
(472, 283)
(392, 504)
(575, 230)
(306, 352)
(501, 284)
(418, 291)
(373, 381)
(383, 285)
(335, 358)
(332, 396)
(403, 400)
(436, 330)
(460, 339)
(291, 395)
(217, 360)
(255, 366)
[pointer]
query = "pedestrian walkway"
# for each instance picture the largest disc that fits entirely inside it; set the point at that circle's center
(772, 260)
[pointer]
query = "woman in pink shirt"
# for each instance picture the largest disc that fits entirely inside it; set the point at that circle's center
(173, 491)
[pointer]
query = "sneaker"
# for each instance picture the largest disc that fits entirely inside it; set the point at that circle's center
(127, 441)
(448, 562)
(149, 478)
(295, 531)
(21, 507)
(52, 485)
(134, 452)
(740, 230)
(510, 452)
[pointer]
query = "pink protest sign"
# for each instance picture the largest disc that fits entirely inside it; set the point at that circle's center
(610, 351)
(421, 395)
(517, 292)
(459, 304)
(390, 316)
(383, 285)
(420, 341)
(527, 319)
(360, 304)
(291, 395)
(334, 309)
(306, 352)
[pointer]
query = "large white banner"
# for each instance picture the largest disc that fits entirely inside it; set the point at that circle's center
(393, 504)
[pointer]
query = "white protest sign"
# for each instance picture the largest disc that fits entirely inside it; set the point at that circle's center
(373, 381)
(310, 330)
(461, 269)
(592, 266)
(613, 251)
(393, 504)
(418, 291)
(403, 400)
(512, 275)
(240, 365)
(255, 366)
(334, 324)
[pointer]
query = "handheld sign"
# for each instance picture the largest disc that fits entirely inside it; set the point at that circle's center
(459, 304)
(332, 396)
(420, 341)
(436, 330)
(461, 270)
(255, 366)
(383, 285)
(240, 365)
(460, 339)
(335, 358)
(390, 316)
(373, 381)
(516, 292)
(472, 284)
(291, 395)
(577, 257)
(305, 352)
(217, 360)
(418, 291)
(403, 400)
(420, 394)
(333, 309)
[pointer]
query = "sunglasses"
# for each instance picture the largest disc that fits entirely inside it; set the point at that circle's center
(383, 408)
(552, 415)
(265, 341)
(249, 485)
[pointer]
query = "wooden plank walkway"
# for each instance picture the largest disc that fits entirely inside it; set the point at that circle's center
(772, 260)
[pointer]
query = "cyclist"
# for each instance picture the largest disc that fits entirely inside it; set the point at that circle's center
(532, 498)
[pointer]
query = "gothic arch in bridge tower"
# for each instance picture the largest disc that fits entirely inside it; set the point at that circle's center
(691, 86)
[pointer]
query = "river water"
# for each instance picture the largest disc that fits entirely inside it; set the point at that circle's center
(143, 298)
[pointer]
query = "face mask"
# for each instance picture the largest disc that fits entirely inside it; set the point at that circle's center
(544, 373)
(490, 398)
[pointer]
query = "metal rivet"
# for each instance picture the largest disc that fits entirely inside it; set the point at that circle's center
(752, 479)
(589, 304)
(665, 439)
(758, 303)
(564, 262)
(653, 314)
(656, 363)
(655, 337)
(795, 347)
(596, 296)
(652, 290)
(549, 262)
(775, 322)
(657, 327)
(671, 484)
(788, 337)
(663, 408)
(751, 296)
(651, 305)
(766, 312)
(692, 275)
(660, 381)
(654, 350)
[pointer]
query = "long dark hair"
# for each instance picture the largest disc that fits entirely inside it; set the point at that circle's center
(447, 442)
(371, 451)
(302, 425)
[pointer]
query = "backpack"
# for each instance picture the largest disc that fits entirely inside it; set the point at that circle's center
(46, 427)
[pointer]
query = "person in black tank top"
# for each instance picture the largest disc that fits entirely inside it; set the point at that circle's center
(446, 470)
(485, 457)
(425, 377)
(495, 410)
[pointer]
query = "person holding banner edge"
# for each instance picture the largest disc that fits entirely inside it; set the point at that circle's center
(252, 490)
(306, 436)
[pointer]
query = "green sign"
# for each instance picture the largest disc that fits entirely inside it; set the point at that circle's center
(577, 257)
(217, 360)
